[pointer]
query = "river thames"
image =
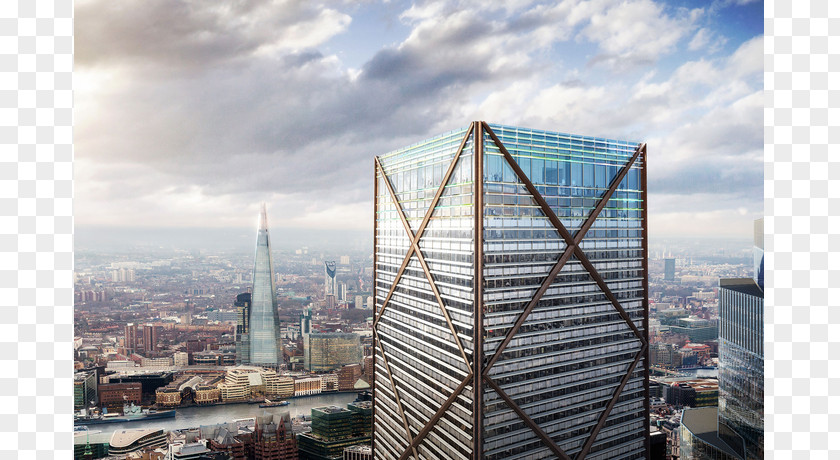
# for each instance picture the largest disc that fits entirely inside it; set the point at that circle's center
(193, 417)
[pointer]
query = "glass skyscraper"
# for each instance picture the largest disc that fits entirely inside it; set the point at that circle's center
(741, 354)
(264, 327)
(243, 318)
(511, 297)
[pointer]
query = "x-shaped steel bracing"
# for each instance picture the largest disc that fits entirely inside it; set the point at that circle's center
(414, 249)
(572, 248)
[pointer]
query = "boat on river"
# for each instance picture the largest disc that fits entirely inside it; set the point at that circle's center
(131, 413)
(269, 403)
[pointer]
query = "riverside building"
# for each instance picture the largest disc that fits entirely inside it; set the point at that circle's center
(511, 297)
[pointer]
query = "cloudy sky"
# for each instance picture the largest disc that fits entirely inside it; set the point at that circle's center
(189, 113)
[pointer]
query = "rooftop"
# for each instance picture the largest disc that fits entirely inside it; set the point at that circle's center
(330, 409)
(702, 423)
(742, 285)
(124, 438)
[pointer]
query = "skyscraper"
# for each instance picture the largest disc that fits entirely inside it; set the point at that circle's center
(670, 269)
(330, 283)
(518, 330)
(741, 354)
(264, 324)
(330, 286)
(243, 318)
(735, 430)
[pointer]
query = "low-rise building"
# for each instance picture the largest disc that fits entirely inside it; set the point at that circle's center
(167, 397)
(206, 394)
(181, 359)
(115, 395)
(329, 382)
(126, 441)
(358, 452)
(348, 375)
(307, 386)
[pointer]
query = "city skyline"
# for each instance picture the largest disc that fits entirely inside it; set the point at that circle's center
(300, 81)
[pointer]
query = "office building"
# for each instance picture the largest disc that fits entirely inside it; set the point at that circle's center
(114, 396)
(264, 324)
(334, 429)
(735, 429)
(273, 438)
(670, 269)
(359, 452)
(699, 439)
(696, 329)
(348, 376)
(741, 368)
(325, 352)
(84, 389)
(511, 297)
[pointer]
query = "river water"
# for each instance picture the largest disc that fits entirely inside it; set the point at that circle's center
(193, 417)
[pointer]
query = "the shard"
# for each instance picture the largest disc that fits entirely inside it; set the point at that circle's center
(264, 321)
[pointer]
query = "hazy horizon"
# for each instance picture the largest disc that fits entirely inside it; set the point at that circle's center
(124, 239)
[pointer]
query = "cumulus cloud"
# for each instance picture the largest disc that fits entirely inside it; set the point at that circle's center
(193, 110)
(637, 32)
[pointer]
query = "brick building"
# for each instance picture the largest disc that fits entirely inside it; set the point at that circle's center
(115, 395)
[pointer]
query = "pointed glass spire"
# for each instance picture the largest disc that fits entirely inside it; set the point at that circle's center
(265, 322)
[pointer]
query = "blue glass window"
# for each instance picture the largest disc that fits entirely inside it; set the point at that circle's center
(577, 175)
(588, 175)
(601, 176)
(563, 173)
(493, 168)
(551, 172)
(538, 171)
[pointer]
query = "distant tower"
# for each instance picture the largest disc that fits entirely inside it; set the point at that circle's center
(150, 338)
(670, 269)
(130, 338)
(330, 285)
(264, 322)
(306, 322)
(305, 330)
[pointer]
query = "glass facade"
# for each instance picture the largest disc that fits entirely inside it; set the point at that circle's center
(564, 363)
(243, 318)
(264, 323)
(329, 351)
(698, 437)
(741, 368)
(333, 430)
